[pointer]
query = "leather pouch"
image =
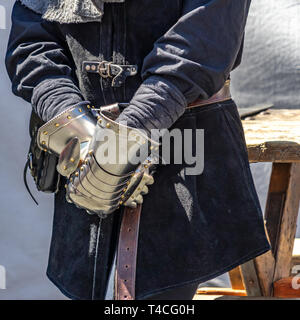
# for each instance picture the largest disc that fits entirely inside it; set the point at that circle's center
(42, 164)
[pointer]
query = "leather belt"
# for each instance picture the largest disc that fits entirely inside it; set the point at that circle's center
(222, 95)
(128, 238)
(127, 254)
(106, 69)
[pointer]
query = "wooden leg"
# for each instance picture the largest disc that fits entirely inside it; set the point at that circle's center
(281, 221)
(288, 225)
(250, 279)
(236, 279)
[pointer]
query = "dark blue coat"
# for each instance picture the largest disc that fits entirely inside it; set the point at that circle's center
(193, 228)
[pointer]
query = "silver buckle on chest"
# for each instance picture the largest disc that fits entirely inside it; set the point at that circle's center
(107, 69)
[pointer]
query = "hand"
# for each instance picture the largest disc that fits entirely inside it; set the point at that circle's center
(100, 186)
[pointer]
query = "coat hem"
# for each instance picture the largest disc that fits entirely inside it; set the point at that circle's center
(205, 278)
(62, 289)
(238, 262)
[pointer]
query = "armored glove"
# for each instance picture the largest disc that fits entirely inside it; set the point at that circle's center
(102, 174)
(116, 169)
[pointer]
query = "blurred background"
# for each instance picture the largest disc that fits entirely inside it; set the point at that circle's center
(270, 73)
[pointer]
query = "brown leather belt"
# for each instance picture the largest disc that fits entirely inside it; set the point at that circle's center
(126, 254)
(220, 96)
(128, 238)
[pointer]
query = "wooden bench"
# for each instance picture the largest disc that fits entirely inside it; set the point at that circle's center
(273, 136)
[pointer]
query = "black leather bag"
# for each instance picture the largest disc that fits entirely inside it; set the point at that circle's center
(42, 164)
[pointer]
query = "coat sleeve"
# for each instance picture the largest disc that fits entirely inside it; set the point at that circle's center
(192, 60)
(38, 64)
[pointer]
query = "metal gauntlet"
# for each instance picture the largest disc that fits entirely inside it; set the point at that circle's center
(68, 136)
(116, 169)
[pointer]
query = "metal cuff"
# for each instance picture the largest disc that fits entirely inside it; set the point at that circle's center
(76, 121)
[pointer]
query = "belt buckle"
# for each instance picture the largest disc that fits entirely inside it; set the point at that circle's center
(104, 69)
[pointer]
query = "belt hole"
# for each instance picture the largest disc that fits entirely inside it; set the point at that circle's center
(126, 266)
(125, 280)
(125, 297)
(127, 249)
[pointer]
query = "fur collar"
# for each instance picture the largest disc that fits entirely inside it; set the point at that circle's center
(69, 11)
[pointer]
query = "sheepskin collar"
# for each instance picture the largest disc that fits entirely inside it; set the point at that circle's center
(68, 11)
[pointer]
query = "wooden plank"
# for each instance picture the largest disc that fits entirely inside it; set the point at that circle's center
(274, 151)
(287, 288)
(250, 279)
(278, 186)
(221, 291)
(254, 110)
(273, 136)
(257, 132)
(288, 227)
(236, 279)
(265, 265)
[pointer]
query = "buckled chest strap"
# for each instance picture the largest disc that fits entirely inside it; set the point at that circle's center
(106, 69)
